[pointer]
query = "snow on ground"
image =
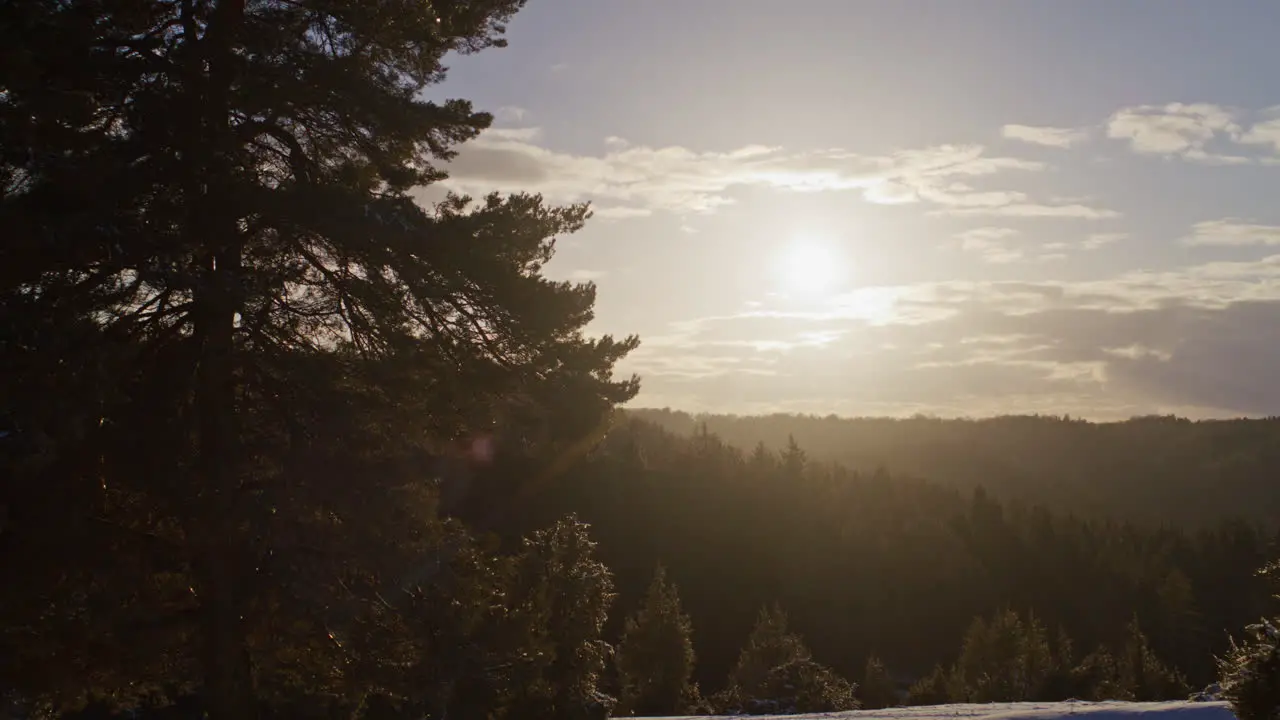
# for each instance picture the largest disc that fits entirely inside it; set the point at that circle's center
(1032, 711)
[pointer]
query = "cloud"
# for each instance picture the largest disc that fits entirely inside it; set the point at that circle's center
(621, 212)
(628, 180)
(1100, 240)
(1204, 133)
(1093, 241)
(995, 245)
(1199, 340)
(1230, 232)
(1048, 136)
(631, 180)
(511, 113)
(1266, 132)
(1178, 129)
(991, 244)
(1032, 210)
(584, 275)
(515, 135)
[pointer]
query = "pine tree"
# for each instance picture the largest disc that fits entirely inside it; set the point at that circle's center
(803, 686)
(1007, 659)
(565, 593)
(1060, 681)
(1097, 677)
(775, 674)
(1142, 673)
(932, 689)
(1004, 659)
(1178, 632)
(1250, 673)
(794, 458)
(878, 689)
(221, 192)
(655, 655)
(762, 459)
(769, 646)
(1037, 659)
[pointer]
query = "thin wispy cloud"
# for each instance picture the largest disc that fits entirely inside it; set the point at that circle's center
(1031, 210)
(585, 275)
(1056, 137)
(1231, 232)
(511, 114)
(992, 244)
(1100, 240)
(627, 180)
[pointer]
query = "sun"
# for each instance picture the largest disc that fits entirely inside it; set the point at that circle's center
(810, 265)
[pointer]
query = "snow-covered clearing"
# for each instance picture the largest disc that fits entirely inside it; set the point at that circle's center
(1034, 711)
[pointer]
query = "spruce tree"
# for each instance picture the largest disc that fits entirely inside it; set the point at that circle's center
(1003, 660)
(655, 655)
(776, 674)
(932, 689)
(1249, 673)
(1097, 677)
(793, 458)
(804, 686)
(1143, 675)
(769, 646)
(877, 689)
(564, 592)
(1060, 682)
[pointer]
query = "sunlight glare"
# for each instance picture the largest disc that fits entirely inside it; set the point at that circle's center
(810, 265)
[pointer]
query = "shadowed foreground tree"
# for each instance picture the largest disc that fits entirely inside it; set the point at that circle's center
(776, 674)
(1143, 675)
(878, 690)
(237, 337)
(570, 591)
(655, 655)
(1250, 672)
(1004, 659)
(770, 645)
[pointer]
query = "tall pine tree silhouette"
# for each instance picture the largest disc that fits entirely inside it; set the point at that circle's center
(223, 193)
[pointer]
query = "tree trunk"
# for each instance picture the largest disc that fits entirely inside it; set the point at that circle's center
(228, 678)
(213, 229)
(220, 562)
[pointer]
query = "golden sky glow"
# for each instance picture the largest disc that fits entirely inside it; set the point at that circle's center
(890, 208)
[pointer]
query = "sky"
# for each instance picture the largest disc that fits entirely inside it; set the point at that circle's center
(890, 208)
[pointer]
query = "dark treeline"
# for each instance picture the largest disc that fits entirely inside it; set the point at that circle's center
(874, 564)
(1149, 469)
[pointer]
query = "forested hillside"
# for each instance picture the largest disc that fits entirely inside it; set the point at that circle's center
(1150, 469)
(884, 564)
